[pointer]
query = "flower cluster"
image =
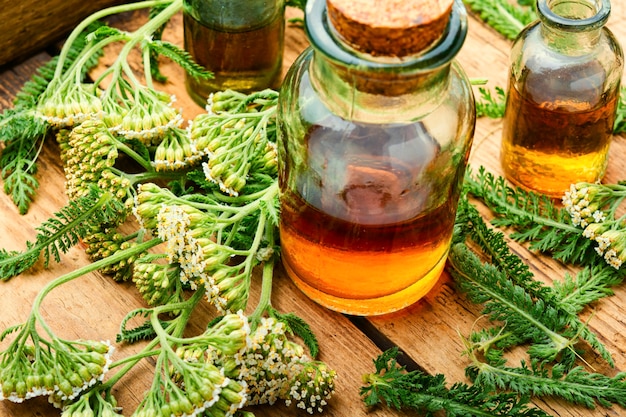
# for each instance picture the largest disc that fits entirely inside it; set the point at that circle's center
(76, 104)
(92, 404)
(149, 117)
(158, 283)
(203, 262)
(60, 369)
(238, 135)
(203, 390)
(105, 241)
(189, 236)
(89, 153)
(592, 207)
(176, 151)
(275, 368)
(189, 387)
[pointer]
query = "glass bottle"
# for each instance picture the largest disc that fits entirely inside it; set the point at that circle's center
(373, 142)
(562, 97)
(240, 41)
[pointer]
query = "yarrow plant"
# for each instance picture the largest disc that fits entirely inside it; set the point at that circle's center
(594, 208)
(202, 198)
(36, 364)
(273, 368)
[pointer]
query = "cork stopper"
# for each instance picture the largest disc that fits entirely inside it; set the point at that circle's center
(395, 28)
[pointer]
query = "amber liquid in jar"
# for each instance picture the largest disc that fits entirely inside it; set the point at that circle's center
(550, 144)
(364, 244)
(247, 60)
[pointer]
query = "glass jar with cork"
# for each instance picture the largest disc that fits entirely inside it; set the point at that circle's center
(240, 41)
(375, 122)
(562, 97)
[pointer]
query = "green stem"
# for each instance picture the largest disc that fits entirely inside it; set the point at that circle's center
(559, 341)
(265, 301)
(99, 15)
(145, 353)
(94, 266)
(131, 361)
(150, 27)
(134, 155)
(176, 328)
(153, 175)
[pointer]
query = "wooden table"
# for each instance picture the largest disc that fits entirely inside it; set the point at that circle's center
(93, 306)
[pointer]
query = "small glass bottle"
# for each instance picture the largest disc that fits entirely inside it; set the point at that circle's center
(562, 97)
(373, 141)
(240, 41)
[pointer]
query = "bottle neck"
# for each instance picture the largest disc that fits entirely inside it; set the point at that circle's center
(234, 15)
(358, 94)
(573, 27)
(358, 85)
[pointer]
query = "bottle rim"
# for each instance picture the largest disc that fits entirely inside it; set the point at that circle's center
(321, 35)
(598, 20)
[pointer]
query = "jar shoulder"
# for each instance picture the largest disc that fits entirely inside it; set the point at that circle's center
(302, 96)
(533, 51)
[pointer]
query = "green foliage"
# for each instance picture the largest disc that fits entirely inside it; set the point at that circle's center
(18, 163)
(591, 284)
(180, 57)
(427, 395)
(535, 218)
(506, 17)
(489, 106)
(23, 133)
(576, 386)
(61, 232)
(620, 119)
(144, 331)
(300, 328)
(503, 301)
(512, 277)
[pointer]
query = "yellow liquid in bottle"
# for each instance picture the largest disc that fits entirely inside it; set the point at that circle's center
(247, 60)
(367, 239)
(548, 146)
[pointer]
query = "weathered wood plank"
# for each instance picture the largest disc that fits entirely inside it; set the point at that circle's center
(29, 26)
(428, 330)
(93, 306)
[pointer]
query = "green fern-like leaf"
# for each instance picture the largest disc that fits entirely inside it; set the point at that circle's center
(565, 304)
(576, 386)
(529, 319)
(507, 18)
(180, 57)
(427, 395)
(24, 134)
(590, 284)
(494, 245)
(490, 106)
(9, 330)
(144, 331)
(534, 218)
(300, 328)
(62, 231)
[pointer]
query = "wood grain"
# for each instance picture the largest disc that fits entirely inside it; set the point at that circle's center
(29, 26)
(93, 306)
